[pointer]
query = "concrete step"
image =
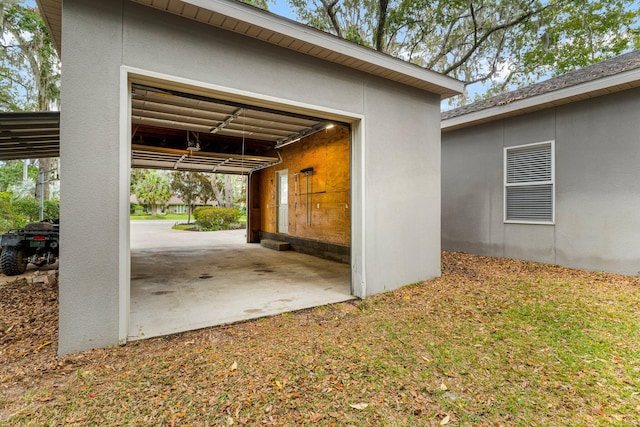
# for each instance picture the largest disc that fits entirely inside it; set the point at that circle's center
(275, 245)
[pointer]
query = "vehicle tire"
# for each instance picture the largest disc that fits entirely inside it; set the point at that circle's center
(13, 261)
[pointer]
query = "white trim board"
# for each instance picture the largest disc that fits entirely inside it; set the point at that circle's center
(130, 74)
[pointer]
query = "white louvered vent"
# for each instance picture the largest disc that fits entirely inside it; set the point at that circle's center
(529, 183)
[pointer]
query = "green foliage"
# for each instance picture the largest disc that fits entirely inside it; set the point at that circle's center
(137, 175)
(262, 4)
(52, 209)
(9, 218)
(190, 187)
(572, 35)
(209, 218)
(153, 189)
(11, 172)
(498, 43)
(29, 65)
(29, 209)
(16, 213)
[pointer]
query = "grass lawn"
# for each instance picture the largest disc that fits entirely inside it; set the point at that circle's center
(493, 342)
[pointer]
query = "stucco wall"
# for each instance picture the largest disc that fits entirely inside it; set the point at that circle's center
(396, 189)
(597, 153)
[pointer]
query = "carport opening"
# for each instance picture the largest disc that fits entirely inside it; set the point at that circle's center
(297, 169)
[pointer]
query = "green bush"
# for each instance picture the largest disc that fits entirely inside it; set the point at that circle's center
(30, 209)
(27, 207)
(52, 209)
(10, 218)
(209, 218)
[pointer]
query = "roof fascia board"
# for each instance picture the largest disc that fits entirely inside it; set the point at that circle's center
(546, 100)
(43, 7)
(287, 27)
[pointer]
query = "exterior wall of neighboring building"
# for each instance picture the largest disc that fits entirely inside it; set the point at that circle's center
(395, 152)
(597, 200)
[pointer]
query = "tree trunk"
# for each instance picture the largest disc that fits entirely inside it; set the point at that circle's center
(383, 6)
(216, 191)
(228, 191)
(44, 166)
(154, 209)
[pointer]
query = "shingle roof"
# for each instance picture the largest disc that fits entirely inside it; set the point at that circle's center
(609, 67)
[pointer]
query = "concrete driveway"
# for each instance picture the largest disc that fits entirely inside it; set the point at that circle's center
(184, 280)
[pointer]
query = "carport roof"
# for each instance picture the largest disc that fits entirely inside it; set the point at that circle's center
(29, 135)
(32, 135)
(262, 25)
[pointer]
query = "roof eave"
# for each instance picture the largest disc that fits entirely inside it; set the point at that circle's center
(607, 85)
(51, 12)
(443, 85)
(276, 29)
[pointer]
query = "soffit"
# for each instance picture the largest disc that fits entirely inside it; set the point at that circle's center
(51, 11)
(256, 23)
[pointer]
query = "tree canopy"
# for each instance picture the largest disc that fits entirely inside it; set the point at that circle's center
(29, 65)
(153, 189)
(191, 187)
(499, 43)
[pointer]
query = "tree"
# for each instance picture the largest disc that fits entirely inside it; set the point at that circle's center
(191, 187)
(12, 172)
(153, 189)
(262, 4)
(136, 176)
(228, 189)
(29, 65)
(495, 42)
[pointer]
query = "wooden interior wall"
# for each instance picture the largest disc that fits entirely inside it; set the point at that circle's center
(329, 217)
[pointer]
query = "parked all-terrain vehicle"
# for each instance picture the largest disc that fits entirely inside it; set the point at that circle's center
(36, 243)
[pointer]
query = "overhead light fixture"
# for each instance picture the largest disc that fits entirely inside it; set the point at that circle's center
(282, 142)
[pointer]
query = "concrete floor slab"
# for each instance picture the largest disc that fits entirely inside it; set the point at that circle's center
(184, 280)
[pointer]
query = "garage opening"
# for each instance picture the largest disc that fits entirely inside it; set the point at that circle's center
(295, 250)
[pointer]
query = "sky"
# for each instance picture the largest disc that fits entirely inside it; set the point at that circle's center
(281, 7)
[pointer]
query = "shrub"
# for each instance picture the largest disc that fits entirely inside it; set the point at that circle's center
(52, 209)
(10, 218)
(209, 218)
(30, 209)
(27, 207)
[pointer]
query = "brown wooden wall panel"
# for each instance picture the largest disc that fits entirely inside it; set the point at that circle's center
(329, 216)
